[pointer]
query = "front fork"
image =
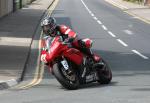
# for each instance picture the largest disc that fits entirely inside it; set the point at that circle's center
(87, 73)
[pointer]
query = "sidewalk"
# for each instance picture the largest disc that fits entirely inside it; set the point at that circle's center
(138, 11)
(16, 33)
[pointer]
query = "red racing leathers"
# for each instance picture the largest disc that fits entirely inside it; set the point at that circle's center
(67, 35)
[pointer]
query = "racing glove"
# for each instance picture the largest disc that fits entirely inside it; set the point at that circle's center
(43, 56)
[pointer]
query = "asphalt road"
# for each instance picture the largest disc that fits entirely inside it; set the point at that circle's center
(122, 40)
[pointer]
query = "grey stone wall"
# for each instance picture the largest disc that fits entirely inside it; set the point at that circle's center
(6, 6)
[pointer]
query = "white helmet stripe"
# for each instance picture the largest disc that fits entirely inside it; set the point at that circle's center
(68, 30)
(86, 39)
(75, 35)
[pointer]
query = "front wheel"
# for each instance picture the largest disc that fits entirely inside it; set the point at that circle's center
(70, 82)
(104, 73)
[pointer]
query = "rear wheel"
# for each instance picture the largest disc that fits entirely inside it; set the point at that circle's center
(70, 81)
(104, 73)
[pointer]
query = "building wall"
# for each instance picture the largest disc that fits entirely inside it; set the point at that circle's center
(148, 2)
(25, 2)
(6, 6)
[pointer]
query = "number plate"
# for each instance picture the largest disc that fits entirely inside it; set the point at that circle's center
(65, 64)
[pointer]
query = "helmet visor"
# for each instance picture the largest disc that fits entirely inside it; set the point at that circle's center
(46, 29)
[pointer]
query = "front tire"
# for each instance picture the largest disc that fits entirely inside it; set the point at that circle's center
(104, 73)
(63, 78)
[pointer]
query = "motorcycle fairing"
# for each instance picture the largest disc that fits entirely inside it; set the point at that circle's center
(74, 55)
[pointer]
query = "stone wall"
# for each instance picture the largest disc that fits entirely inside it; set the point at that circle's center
(25, 2)
(6, 7)
(148, 2)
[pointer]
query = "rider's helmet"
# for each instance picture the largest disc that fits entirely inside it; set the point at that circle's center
(48, 25)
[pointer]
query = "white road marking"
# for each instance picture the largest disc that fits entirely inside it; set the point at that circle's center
(104, 27)
(90, 12)
(85, 6)
(13, 41)
(92, 15)
(141, 55)
(99, 22)
(123, 43)
(109, 32)
(113, 35)
(128, 32)
(95, 18)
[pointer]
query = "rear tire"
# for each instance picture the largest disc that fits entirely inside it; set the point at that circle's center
(104, 74)
(62, 78)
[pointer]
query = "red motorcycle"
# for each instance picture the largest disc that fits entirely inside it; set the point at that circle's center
(83, 69)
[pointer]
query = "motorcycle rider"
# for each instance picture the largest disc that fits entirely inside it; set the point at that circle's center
(51, 30)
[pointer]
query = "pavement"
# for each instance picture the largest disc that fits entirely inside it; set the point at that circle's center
(16, 35)
(139, 11)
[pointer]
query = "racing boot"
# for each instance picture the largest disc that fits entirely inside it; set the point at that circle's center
(94, 57)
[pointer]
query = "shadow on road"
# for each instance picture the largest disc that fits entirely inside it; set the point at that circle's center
(125, 61)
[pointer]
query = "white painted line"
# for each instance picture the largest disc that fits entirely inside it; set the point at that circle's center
(104, 27)
(99, 22)
(128, 32)
(123, 43)
(141, 55)
(95, 18)
(85, 6)
(92, 15)
(88, 9)
(90, 12)
(13, 41)
(113, 35)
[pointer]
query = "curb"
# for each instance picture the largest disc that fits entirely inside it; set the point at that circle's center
(9, 83)
(138, 17)
(124, 8)
(12, 82)
(117, 4)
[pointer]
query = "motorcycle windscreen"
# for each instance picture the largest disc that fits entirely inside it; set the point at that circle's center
(74, 55)
(54, 51)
